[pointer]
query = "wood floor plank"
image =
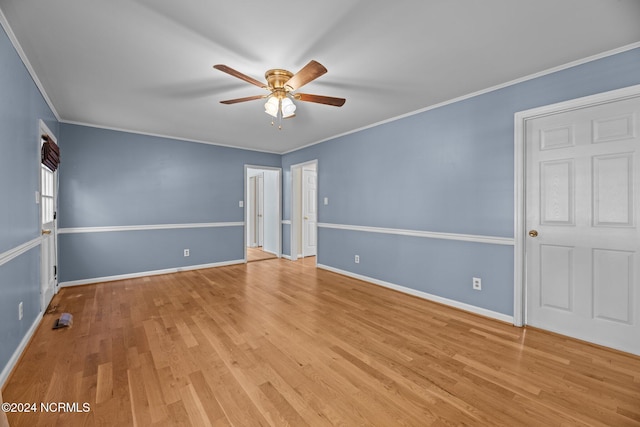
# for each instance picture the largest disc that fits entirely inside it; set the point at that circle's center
(104, 389)
(138, 398)
(195, 409)
(276, 343)
(203, 391)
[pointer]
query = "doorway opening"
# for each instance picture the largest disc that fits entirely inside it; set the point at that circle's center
(304, 210)
(262, 201)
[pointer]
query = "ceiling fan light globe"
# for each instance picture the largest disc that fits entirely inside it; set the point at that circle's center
(288, 108)
(271, 106)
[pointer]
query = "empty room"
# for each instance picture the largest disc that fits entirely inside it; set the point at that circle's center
(330, 213)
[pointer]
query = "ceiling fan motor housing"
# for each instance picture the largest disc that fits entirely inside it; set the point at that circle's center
(276, 79)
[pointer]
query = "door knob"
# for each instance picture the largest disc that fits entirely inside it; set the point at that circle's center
(533, 233)
(306, 217)
(46, 231)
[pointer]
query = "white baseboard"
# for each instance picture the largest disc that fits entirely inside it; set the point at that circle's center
(286, 257)
(16, 354)
(446, 301)
(148, 273)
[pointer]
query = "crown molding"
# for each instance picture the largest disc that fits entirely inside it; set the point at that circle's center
(23, 56)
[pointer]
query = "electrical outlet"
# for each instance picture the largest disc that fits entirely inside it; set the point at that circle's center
(20, 311)
(241, 204)
(477, 283)
(357, 259)
(186, 252)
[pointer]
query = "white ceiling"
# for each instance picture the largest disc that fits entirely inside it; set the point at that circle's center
(146, 65)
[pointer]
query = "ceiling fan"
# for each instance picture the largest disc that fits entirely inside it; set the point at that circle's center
(282, 85)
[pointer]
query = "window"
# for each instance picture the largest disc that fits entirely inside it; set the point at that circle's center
(46, 194)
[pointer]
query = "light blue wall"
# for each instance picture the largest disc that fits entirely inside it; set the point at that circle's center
(112, 178)
(21, 107)
(95, 255)
(448, 170)
(19, 281)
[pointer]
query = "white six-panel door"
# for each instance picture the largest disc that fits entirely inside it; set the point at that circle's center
(582, 204)
(309, 212)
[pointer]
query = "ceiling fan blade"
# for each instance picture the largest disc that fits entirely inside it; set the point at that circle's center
(247, 98)
(308, 73)
(319, 99)
(239, 75)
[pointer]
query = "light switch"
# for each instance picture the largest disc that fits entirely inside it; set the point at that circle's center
(326, 200)
(241, 204)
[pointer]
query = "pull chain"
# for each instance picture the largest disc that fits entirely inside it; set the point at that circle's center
(279, 115)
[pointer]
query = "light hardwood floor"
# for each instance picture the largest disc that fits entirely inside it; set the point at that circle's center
(257, 254)
(281, 343)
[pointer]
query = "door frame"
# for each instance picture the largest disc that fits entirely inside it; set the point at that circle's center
(296, 218)
(520, 121)
(255, 202)
(43, 129)
(278, 202)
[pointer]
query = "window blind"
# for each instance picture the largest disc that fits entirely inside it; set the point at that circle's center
(50, 153)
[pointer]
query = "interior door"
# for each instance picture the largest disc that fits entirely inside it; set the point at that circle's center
(251, 214)
(48, 268)
(309, 212)
(260, 209)
(582, 203)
